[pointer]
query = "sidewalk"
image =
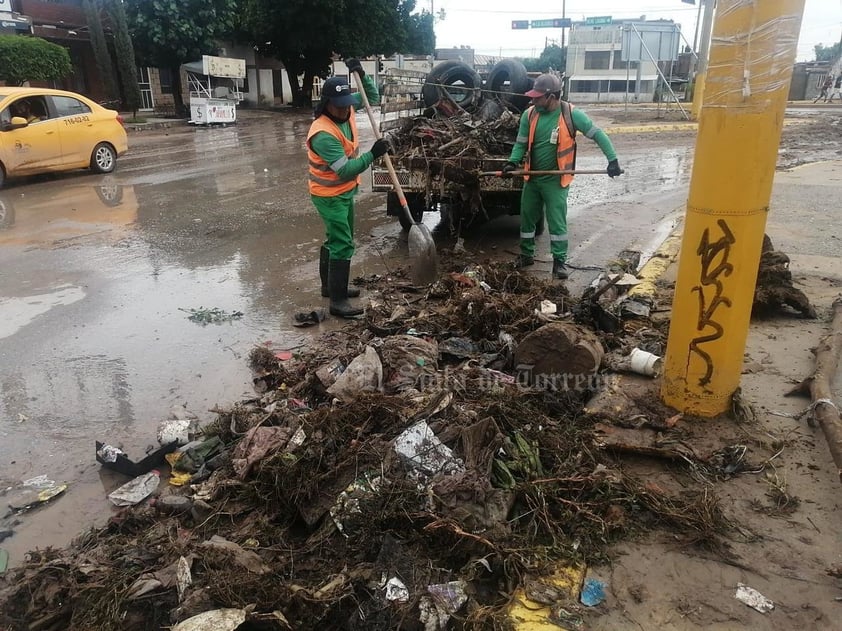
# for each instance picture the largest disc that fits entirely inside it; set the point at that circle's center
(785, 538)
(152, 123)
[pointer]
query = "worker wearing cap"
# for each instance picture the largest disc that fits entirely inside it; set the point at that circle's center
(335, 166)
(546, 141)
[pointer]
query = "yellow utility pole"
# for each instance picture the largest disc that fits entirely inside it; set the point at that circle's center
(748, 76)
(704, 53)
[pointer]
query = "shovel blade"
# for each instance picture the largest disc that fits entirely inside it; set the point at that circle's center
(423, 256)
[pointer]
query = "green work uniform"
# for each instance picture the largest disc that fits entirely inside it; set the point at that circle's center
(338, 212)
(544, 192)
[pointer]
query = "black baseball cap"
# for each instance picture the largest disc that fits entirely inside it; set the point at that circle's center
(338, 92)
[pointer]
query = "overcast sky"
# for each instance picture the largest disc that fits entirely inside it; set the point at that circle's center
(485, 25)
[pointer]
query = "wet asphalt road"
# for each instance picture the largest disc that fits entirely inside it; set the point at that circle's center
(96, 273)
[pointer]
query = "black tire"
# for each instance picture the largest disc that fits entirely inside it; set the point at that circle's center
(416, 202)
(103, 158)
(513, 73)
(461, 82)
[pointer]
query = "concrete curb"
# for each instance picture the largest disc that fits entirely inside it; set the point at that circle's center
(666, 127)
(154, 125)
(637, 129)
(655, 267)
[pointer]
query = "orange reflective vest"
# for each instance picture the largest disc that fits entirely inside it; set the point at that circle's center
(566, 152)
(324, 181)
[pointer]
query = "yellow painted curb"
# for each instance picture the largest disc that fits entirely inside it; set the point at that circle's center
(528, 615)
(637, 129)
(655, 267)
(686, 126)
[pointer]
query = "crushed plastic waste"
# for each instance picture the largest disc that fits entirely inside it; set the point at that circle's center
(113, 458)
(422, 451)
(396, 591)
(217, 620)
(31, 493)
(753, 598)
(593, 592)
(179, 431)
(137, 490)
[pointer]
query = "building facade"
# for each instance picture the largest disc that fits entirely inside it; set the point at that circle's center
(599, 71)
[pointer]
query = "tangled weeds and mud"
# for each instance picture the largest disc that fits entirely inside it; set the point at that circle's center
(774, 288)
(461, 136)
(321, 516)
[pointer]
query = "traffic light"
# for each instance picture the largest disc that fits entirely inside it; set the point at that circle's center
(379, 65)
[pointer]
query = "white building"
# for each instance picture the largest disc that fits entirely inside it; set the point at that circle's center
(598, 71)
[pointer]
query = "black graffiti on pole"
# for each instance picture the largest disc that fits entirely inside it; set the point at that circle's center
(714, 257)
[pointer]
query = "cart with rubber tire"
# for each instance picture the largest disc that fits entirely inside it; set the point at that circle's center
(434, 184)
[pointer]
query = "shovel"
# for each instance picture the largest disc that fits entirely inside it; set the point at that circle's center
(520, 173)
(422, 248)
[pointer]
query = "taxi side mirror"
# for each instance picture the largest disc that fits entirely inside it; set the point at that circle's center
(17, 122)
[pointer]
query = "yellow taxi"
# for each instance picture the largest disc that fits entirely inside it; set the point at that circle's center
(43, 131)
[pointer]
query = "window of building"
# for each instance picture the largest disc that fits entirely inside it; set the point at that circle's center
(588, 87)
(165, 76)
(597, 60)
(619, 64)
(616, 86)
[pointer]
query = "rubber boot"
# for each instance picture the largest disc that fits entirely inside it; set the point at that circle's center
(523, 260)
(338, 272)
(324, 263)
(560, 270)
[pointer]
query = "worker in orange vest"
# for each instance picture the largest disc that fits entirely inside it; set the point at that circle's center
(335, 164)
(546, 141)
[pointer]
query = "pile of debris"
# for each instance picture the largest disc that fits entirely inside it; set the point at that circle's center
(411, 471)
(461, 136)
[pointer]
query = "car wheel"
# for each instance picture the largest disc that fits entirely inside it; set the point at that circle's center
(104, 158)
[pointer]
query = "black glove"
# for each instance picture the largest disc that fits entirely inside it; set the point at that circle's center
(614, 169)
(380, 147)
(508, 168)
(354, 65)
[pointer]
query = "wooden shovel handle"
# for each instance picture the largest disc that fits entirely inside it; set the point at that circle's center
(376, 128)
(521, 173)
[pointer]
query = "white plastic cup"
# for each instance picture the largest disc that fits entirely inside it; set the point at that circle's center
(644, 363)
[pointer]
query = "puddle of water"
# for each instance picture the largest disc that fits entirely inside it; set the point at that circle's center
(18, 312)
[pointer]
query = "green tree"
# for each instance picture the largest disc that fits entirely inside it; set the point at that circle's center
(828, 53)
(421, 39)
(305, 34)
(168, 33)
(126, 65)
(32, 59)
(552, 57)
(102, 56)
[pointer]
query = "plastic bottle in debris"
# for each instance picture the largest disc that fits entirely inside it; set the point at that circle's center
(137, 490)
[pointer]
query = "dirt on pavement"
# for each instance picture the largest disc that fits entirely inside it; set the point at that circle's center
(762, 490)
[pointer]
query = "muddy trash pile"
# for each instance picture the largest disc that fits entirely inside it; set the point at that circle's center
(412, 471)
(775, 289)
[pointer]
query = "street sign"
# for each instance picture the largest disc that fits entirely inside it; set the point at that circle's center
(553, 23)
(520, 24)
(599, 20)
(689, 1)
